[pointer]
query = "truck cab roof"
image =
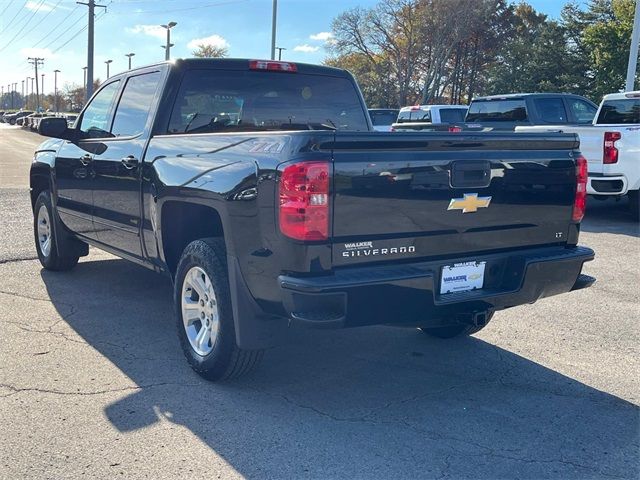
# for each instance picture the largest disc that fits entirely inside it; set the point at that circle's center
(244, 64)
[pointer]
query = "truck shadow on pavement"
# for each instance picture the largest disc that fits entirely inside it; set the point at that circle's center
(610, 216)
(368, 403)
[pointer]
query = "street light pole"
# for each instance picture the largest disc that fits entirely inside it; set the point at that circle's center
(168, 27)
(108, 62)
(84, 81)
(42, 90)
(633, 51)
(280, 52)
(274, 15)
(129, 55)
(55, 88)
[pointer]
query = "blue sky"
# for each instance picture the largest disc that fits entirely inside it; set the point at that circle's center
(46, 28)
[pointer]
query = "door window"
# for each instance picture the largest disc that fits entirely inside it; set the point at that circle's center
(551, 110)
(582, 111)
(134, 106)
(95, 119)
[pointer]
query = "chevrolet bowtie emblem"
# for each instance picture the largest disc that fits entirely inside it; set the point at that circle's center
(470, 203)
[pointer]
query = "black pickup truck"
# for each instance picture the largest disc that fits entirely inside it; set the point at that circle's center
(262, 190)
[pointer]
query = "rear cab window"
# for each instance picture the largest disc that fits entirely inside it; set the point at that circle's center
(383, 117)
(620, 112)
(417, 115)
(212, 101)
(499, 110)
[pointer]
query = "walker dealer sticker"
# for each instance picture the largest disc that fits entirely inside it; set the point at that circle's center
(461, 277)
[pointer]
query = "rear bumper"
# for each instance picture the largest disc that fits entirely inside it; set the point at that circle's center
(409, 294)
(607, 185)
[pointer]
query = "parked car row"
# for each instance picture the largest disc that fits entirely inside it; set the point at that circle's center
(31, 119)
(12, 117)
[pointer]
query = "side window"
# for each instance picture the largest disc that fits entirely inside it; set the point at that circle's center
(551, 110)
(133, 109)
(451, 115)
(95, 119)
(582, 111)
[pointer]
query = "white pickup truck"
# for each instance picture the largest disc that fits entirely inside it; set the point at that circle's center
(611, 146)
(425, 117)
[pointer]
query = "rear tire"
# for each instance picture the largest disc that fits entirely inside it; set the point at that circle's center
(204, 316)
(53, 252)
(453, 331)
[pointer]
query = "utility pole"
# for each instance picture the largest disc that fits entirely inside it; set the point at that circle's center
(280, 52)
(35, 61)
(91, 20)
(274, 16)
(129, 55)
(633, 52)
(168, 27)
(55, 88)
(11, 91)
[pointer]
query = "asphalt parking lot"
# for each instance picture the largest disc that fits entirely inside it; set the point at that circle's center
(93, 382)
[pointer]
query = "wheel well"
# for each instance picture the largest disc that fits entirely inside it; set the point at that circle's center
(39, 183)
(184, 222)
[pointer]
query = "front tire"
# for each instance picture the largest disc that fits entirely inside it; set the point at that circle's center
(53, 253)
(204, 315)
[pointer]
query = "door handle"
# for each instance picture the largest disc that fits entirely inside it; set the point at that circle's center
(130, 162)
(86, 159)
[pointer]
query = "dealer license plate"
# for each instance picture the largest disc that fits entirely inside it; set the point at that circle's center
(461, 277)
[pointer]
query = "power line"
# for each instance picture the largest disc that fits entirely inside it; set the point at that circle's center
(7, 7)
(56, 27)
(10, 22)
(98, 17)
(65, 31)
(24, 26)
(181, 9)
(47, 14)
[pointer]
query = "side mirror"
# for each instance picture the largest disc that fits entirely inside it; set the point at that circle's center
(54, 127)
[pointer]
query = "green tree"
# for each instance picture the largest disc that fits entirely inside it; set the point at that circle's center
(210, 51)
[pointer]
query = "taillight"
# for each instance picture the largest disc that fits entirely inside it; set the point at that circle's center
(273, 66)
(304, 201)
(580, 202)
(610, 150)
(455, 129)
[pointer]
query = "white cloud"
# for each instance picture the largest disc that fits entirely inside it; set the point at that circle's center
(213, 40)
(322, 36)
(305, 48)
(36, 6)
(151, 30)
(37, 53)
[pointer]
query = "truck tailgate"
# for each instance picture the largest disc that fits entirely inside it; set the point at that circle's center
(413, 195)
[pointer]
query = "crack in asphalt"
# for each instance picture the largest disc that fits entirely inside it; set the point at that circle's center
(15, 260)
(16, 390)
